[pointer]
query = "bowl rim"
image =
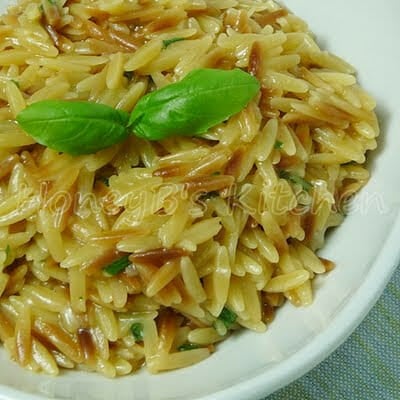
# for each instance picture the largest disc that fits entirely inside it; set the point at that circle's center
(323, 344)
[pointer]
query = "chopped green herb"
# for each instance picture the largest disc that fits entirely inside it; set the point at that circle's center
(8, 251)
(188, 346)
(52, 2)
(117, 266)
(167, 42)
(216, 173)
(278, 145)
(129, 75)
(137, 331)
(16, 83)
(297, 180)
(228, 317)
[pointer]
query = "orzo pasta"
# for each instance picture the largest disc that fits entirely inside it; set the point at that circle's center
(153, 252)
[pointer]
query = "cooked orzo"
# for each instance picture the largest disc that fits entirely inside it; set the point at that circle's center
(150, 253)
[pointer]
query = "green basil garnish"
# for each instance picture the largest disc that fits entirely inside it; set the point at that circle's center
(74, 127)
(188, 346)
(137, 331)
(7, 250)
(167, 42)
(117, 266)
(297, 180)
(228, 317)
(201, 100)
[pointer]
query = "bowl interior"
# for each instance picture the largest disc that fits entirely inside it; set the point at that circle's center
(250, 364)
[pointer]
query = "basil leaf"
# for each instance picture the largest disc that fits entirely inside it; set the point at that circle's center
(297, 180)
(167, 42)
(204, 98)
(74, 127)
(117, 266)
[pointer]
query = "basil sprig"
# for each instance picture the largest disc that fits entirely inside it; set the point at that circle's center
(201, 100)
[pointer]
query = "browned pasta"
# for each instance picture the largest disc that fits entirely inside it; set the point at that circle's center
(213, 233)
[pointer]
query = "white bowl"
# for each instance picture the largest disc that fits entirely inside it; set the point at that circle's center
(365, 248)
